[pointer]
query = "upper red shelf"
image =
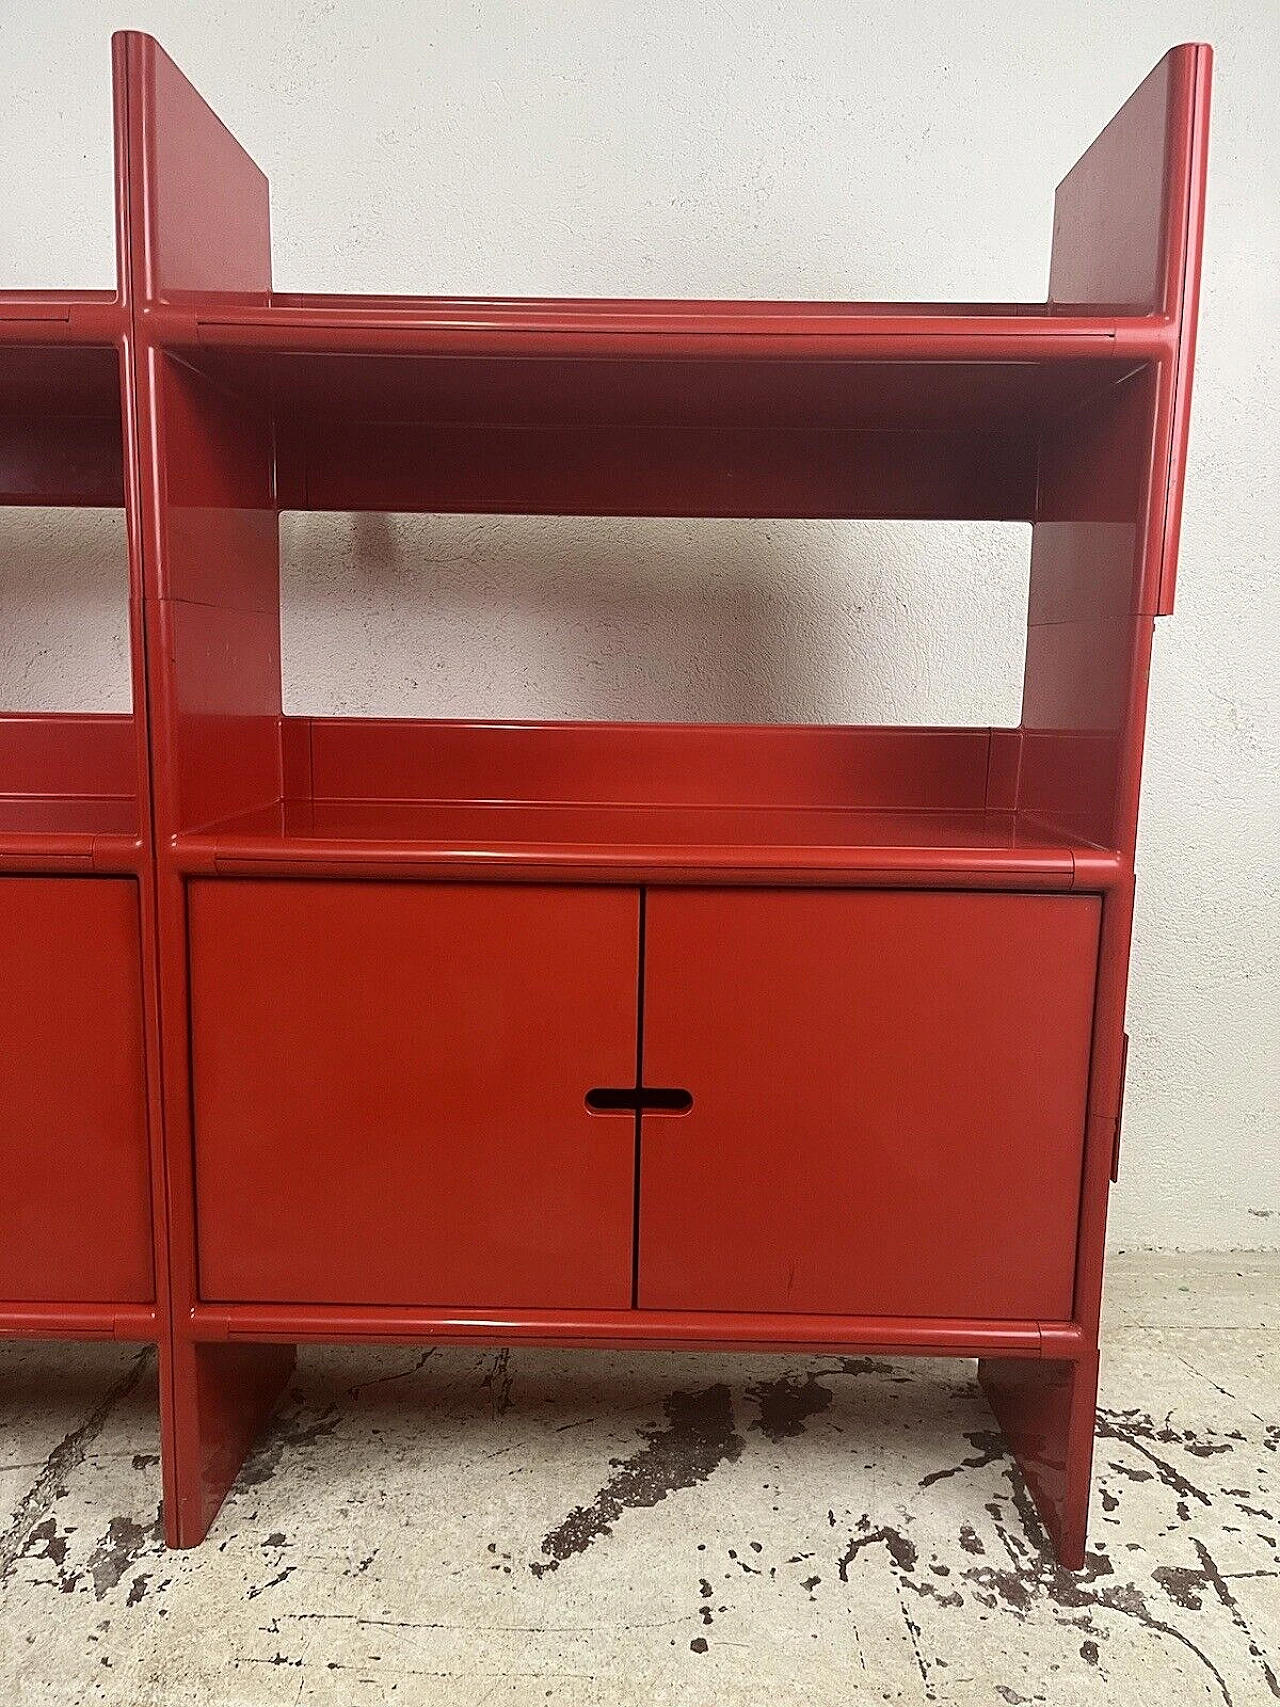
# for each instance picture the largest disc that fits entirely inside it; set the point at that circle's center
(649, 408)
(585, 327)
(60, 403)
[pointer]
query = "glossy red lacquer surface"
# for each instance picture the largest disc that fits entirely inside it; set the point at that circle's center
(888, 1101)
(75, 1219)
(637, 1329)
(60, 427)
(656, 802)
(82, 1250)
(1070, 414)
(389, 1093)
(1046, 1410)
(68, 792)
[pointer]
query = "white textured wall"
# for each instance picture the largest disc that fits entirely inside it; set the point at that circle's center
(828, 150)
(64, 610)
(662, 619)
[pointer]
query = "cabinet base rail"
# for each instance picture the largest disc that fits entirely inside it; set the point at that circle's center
(620, 1330)
(136, 1323)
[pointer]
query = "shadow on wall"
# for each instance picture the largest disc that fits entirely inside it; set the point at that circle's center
(653, 619)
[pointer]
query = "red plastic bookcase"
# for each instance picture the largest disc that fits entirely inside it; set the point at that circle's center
(82, 1253)
(645, 1035)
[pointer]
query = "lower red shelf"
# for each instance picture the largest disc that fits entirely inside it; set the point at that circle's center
(723, 844)
(68, 793)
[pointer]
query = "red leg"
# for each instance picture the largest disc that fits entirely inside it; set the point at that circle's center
(1046, 1409)
(220, 1396)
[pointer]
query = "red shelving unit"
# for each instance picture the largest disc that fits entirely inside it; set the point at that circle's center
(79, 1223)
(640, 1035)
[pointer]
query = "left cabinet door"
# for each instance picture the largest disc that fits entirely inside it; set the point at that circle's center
(75, 1210)
(389, 1092)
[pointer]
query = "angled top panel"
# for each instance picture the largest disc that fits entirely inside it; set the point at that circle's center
(1126, 229)
(197, 207)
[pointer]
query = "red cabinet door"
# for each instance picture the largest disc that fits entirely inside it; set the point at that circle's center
(888, 1101)
(75, 1205)
(389, 1084)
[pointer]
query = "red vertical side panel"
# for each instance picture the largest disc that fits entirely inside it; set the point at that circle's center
(1046, 1410)
(217, 571)
(196, 222)
(1188, 311)
(75, 1219)
(888, 1101)
(1088, 641)
(199, 224)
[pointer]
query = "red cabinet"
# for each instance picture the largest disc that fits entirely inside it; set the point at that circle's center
(887, 1097)
(75, 1219)
(888, 1107)
(389, 1092)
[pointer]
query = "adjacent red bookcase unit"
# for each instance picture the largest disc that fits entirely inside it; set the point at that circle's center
(81, 1245)
(628, 1034)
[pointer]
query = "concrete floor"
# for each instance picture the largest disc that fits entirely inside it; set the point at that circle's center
(467, 1527)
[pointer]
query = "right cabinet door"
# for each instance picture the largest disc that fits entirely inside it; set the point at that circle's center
(888, 1101)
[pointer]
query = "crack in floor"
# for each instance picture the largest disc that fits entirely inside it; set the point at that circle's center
(65, 1458)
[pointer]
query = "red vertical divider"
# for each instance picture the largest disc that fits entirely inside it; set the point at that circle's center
(196, 226)
(1126, 239)
(140, 729)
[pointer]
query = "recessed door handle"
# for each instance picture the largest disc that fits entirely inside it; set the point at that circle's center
(639, 1099)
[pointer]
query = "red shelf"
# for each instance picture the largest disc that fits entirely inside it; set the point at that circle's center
(646, 843)
(68, 794)
(88, 1321)
(668, 408)
(647, 802)
(582, 327)
(61, 432)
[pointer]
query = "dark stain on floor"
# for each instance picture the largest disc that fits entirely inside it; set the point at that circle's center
(498, 1380)
(999, 1565)
(787, 1404)
(1032, 1579)
(699, 1434)
(989, 1448)
(119, 1551)
(1018, 1576)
